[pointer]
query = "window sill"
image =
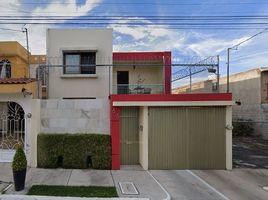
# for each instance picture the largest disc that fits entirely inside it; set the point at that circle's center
(79, 76)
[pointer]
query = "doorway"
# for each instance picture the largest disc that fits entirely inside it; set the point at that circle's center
(129, 136)
(122, 82)
(12, 129)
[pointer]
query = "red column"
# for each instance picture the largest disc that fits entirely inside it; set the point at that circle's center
(115, 136)
(167, 59)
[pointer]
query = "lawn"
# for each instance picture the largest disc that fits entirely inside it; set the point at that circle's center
(72, 191)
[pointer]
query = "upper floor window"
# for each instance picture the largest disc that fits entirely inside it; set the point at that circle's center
(79, 62)
(5, 69)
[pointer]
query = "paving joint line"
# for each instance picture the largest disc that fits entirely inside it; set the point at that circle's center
(69, 177)
(208, 185)
(168, 195)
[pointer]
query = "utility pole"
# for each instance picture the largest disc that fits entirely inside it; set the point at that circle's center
(228, 68)
(218, 73)
(190, 68)
(28, 51)
(235, 47)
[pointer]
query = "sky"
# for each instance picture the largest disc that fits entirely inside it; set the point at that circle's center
(183, 43)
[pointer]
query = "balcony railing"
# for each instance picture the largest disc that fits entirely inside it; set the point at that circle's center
(138, 89)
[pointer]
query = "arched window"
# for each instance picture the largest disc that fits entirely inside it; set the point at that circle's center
(5, 69)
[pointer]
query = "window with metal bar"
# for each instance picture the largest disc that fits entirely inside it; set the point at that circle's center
(79, 63)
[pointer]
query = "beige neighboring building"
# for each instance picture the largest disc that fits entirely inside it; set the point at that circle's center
(250, 88)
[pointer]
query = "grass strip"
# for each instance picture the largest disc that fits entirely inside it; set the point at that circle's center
(72, 191)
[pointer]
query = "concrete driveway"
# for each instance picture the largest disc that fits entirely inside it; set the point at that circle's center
(238, 184)
(183, 185)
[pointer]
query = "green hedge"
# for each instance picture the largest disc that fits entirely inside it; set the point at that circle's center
(78, 151)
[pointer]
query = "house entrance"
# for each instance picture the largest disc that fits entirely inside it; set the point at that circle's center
(12, 129)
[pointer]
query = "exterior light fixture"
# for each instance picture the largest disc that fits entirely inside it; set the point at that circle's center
(25, 92)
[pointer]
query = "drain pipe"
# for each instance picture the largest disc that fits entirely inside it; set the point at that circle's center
(168, 195)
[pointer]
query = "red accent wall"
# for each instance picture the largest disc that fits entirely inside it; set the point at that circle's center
(172, 97)
(115, 135)
(115, 113)
(167, 59)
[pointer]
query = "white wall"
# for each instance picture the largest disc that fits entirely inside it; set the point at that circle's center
(59, 40)
(143, 136)
(75, 116)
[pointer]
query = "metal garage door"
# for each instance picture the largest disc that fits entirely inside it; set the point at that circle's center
(129, 136)
(186, 138)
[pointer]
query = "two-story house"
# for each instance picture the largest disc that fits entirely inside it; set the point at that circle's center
(126, 97)
(17, 91)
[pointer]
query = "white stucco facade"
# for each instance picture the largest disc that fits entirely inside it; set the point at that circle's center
(79, 85)
(78, 103)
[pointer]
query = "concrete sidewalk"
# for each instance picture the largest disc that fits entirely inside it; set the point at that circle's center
(73, 177)
(144, 184)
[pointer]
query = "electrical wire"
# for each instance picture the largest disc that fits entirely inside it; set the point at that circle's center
(144, 3)
(255, 35)
(9, 29)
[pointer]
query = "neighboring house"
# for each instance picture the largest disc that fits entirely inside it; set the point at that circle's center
(127, 95)
(79, 66)
(14, 70)
(250, 91)
(17, 93)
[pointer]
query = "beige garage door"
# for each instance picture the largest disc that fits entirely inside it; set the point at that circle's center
(186, 138)
(129, 136)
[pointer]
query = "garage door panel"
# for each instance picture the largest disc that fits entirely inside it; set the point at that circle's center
(162, 138)
(207, 138)
(187, 138)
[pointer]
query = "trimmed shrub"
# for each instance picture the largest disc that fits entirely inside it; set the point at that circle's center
(78, 151)
(19, 161)
(243, 128)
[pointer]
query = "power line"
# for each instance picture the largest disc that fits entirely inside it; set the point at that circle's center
(8, 29)
(237, 45)
(131, 23)
(143, 3)
(144, 16)
(127, 18)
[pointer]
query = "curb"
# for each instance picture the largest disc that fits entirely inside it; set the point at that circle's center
(25, 197)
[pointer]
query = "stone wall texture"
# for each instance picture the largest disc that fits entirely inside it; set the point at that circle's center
(75, 116)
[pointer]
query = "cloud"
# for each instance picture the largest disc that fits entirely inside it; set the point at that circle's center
(37, 33)
(146, 37)
(210, 46)
(70, 7)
